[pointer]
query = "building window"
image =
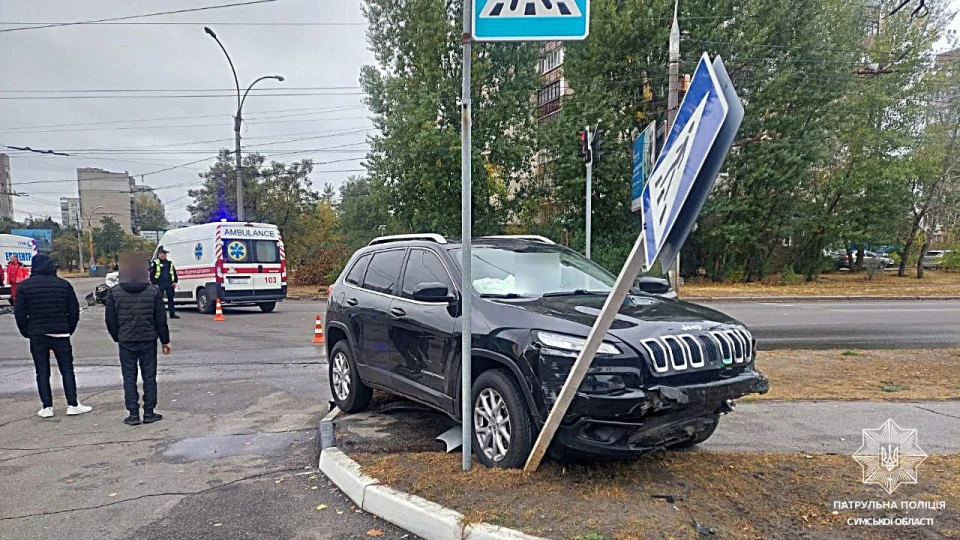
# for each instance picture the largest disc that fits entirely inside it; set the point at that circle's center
(548, 93)
(551, 60)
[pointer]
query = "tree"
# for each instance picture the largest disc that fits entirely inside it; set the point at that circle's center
(274, 193)
(64, 251)
(363, 215)
(934, 200)
(414, 94)
(108, 239)
(150, 214)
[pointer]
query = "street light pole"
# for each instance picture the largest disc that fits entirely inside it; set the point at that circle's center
(90, 232)
(79, 241)
(238, 118)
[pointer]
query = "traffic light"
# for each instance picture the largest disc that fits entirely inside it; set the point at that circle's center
(595, 148)
(584, 150)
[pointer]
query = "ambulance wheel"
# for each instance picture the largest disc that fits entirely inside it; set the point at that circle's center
(204, 304)
(349, 392)
(267, 307)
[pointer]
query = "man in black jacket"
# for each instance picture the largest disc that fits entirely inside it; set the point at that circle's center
(164, 275)
(47, 313)
(136, 319)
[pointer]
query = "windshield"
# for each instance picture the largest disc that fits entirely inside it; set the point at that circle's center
(535, 271)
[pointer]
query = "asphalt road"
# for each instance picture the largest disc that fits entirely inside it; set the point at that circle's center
(850, 325)
(234, 456)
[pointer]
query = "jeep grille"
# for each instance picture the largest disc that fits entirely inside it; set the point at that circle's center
(684, 352)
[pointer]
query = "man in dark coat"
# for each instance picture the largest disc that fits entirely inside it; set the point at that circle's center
(47, 313)
(163, 274)
(136, 319)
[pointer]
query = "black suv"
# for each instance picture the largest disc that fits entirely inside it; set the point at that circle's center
(663, 377)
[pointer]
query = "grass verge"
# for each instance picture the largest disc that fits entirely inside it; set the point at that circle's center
(934, 283)
(744, 495)
(883, 375)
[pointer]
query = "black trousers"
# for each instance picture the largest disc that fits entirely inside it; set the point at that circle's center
(168, 291)
(142, 354)
(40, 347)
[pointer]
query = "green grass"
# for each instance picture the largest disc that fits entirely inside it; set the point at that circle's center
(892, 387)
(849, 353)
(592, 536)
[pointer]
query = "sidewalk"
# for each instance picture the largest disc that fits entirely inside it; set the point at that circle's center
(231, 459)
(832, 427)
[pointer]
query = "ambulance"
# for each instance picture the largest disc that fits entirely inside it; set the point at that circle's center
(21, 246)
(242, 264)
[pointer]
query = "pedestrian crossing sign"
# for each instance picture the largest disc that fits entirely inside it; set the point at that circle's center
(531, 20)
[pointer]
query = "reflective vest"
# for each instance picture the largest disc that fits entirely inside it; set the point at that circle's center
(158, 270)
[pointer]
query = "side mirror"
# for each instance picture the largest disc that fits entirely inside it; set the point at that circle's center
(653, 285)
(432, 291)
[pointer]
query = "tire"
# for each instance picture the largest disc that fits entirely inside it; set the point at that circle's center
(495, 394)
(267, 307)
(204, 304)
(348, 391)
(700, 437)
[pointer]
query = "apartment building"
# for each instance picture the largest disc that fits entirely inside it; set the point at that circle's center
(70, 212)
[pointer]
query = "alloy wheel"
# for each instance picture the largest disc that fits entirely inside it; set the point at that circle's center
(341, 376)
(492, 424)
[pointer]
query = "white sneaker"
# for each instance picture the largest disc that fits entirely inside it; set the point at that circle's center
(78, 409)
(46, 412)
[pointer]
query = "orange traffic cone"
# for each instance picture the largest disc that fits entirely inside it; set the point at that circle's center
(218, 317)
(318, 331)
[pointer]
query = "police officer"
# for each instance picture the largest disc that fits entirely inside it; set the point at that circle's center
(164, 276)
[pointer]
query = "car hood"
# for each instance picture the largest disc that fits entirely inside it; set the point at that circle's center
(640, 317)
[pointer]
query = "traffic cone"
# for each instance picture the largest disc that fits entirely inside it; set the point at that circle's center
(318, 331)
(218, 317)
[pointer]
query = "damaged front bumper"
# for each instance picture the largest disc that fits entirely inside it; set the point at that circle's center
(641, 421)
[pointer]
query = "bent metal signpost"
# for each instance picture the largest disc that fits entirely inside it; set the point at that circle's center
(498, 20)
(698, 143)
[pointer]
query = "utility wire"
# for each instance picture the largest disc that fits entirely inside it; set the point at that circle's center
(140, 16)
(256, 116)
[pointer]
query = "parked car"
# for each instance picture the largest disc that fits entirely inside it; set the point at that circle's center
(934, 258)
(870, 260)
(662, 378)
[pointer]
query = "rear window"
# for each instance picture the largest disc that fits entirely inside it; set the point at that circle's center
(355, 275)
(251, 251)
(384, 271)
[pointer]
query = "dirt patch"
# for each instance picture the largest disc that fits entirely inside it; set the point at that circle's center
(307, 291)
(741, 495)
(836, 284)
(885, 375)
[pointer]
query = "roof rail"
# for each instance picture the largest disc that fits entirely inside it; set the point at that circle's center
(429, 237)
(534, 237)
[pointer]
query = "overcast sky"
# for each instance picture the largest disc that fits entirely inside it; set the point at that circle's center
(322, 61)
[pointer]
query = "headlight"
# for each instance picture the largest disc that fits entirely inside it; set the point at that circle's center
(570, 343)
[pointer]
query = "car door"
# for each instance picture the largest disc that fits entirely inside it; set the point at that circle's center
(371, 303)
(423, 333)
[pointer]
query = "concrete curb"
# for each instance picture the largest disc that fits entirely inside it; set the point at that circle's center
(424, 518)
(775, 299)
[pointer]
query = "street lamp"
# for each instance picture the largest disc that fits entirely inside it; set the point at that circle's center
(90, 231)
(237, 120)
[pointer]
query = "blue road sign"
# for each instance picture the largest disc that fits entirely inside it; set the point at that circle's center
(689, 162)
(644, 151)
(531, 20)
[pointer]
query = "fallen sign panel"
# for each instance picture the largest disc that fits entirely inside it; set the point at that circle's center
(690, 161)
